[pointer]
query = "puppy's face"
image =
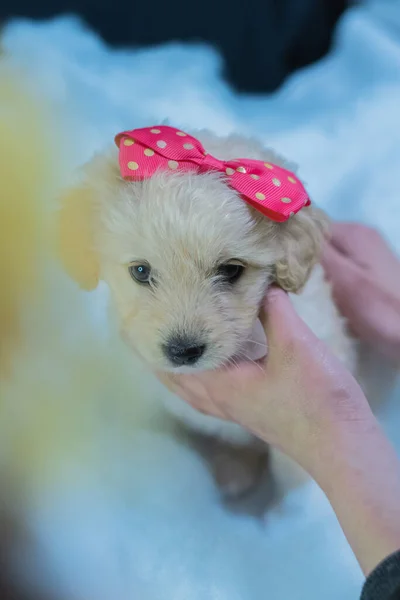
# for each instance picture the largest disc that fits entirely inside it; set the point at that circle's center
(188, 263)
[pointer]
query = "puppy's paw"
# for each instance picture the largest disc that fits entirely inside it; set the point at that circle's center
(238, 470)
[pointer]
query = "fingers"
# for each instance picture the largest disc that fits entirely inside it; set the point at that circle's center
(276, 304)
(168, 379)
(342, 272)
(342, 237)
(363, 244)
(352, 239)
(345, 277)
(334, 262)
(280, 320)
(367, 252)
(233, 380)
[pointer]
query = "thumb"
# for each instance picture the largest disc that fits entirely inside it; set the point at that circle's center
(282, 327)
(280, 321)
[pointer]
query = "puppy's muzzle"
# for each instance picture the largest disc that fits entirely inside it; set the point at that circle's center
(183, 351)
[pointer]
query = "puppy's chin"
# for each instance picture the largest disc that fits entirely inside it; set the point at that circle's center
(192, 370)
(208, 363)
(254, 348)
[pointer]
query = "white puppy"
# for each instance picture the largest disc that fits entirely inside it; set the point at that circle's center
(188, 262)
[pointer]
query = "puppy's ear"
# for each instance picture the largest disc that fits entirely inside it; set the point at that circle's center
(75, 237)
(78, 219)
(300, 244)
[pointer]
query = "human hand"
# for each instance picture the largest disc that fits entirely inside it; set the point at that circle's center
(365, 276)
(290, 399)
(301, 399)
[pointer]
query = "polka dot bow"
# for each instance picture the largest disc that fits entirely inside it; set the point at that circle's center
(272, 190)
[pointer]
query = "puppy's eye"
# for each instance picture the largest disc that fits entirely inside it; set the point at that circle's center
(230, 272)
(140, 273)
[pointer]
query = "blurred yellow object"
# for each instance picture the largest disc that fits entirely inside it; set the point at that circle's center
(71, 396)
(26, 173)
(62, 377)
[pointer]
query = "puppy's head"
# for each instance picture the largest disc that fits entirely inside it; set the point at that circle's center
(186, 259)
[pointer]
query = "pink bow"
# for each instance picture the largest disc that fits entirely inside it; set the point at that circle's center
(272, 190)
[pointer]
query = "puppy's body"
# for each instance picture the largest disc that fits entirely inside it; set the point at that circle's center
(184, 229)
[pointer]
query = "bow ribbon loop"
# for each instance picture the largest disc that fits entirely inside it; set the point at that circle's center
(272, 190)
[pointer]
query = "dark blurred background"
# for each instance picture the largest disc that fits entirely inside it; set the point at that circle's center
(261, 41)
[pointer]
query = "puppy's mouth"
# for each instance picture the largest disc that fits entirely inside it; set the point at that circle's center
(254, 348)
(210, 361)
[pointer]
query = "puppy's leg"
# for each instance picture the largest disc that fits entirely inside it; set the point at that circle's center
(236, 458)
(238, 469)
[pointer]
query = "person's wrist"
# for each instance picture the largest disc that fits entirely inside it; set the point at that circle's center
(338, 453)
(360, 474)
(343, 425)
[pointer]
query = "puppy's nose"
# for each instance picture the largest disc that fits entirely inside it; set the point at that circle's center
(183, 352)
